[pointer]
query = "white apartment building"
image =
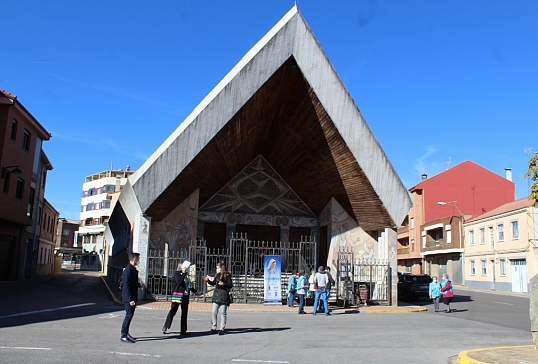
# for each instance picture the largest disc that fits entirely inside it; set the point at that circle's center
(96, 207)
(501, 247)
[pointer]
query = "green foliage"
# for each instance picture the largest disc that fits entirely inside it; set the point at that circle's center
(533, 174)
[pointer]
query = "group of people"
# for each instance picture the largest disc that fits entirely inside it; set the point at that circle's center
(444, 290)
(181, 287)
(318, 286)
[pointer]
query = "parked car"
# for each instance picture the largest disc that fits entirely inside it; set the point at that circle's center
(413, 286)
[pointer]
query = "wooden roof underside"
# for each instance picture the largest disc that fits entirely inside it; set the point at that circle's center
(286, 124)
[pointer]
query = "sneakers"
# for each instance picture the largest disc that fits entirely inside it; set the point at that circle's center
(126, 340)
(165, 330)
(221, 332)
(213, 331)
(328, 314)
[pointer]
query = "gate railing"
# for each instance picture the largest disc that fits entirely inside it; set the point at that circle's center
(362, 281)
(244, 259)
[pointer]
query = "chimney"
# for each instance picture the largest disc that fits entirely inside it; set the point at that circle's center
(424, 176)
(508, 174)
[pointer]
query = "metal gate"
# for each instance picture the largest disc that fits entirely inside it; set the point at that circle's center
(244, 259)
(362, 281)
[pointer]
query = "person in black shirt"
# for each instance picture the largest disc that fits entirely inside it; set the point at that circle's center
(129, 295)
(181, 284)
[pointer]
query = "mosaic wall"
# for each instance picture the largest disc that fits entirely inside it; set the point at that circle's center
(346, 234)
(178, 229)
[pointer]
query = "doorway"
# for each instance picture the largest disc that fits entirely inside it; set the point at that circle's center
(518, 271)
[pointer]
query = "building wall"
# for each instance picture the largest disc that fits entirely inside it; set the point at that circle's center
(411, 260)
(47, 239)
(13, 208)
(501, 263)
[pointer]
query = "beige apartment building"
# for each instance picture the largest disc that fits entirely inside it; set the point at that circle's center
(501, 247)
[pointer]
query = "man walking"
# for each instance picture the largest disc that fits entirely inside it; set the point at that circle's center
(129, 295)
(320, 281)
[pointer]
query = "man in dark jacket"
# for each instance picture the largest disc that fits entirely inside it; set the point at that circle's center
(129, 295)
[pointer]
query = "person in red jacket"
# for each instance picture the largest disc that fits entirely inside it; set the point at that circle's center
(447, 291)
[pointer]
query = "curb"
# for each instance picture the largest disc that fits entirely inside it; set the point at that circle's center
(389, 310)
(112, 295)
(463, 357)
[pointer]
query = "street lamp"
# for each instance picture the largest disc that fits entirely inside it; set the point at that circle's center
(453, 203)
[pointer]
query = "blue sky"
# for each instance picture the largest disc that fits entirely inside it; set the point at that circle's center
(438, 82)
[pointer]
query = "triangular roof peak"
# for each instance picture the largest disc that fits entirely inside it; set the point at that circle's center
(361, 164)
(452, 170)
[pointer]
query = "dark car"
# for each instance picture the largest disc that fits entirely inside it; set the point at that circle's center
(413, 286)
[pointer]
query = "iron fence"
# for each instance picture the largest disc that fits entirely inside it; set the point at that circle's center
(362, 281)
(244, 258)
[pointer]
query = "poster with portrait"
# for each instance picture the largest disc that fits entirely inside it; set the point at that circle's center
(272, 283)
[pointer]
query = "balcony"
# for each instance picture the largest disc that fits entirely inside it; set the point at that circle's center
(435, 243)
(403, 230)
(403, 250)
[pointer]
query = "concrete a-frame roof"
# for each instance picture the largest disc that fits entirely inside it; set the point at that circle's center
(284, 101)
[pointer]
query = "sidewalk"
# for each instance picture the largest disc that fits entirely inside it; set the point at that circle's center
(498, 355)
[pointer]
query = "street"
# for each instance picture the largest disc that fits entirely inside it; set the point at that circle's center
(79, 323)
(497, 308)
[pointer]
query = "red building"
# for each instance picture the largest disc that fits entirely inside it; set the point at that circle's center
(430, 239)
(23, 170)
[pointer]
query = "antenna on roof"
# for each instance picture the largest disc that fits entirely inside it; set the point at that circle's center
(528, 150)
(448, 162)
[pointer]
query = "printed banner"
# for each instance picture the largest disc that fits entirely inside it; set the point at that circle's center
(272, 283)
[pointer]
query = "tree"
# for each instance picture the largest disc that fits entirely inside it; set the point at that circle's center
(533, 174)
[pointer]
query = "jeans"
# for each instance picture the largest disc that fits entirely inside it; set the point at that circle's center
(214, 313)
(301, 302)
(291, 297)
(129, 313)
(436, 302)
(321, 293)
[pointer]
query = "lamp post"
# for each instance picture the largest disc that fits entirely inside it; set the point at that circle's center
(462, 217)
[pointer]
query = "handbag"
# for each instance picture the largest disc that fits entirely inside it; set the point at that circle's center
(177, 297)
(221, 296)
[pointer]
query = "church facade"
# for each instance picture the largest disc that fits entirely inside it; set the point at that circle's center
(279, 152)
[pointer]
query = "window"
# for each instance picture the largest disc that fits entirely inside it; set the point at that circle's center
(412, 223)
(20, 188)
(105, 204)
(66, 232)
(500, 231)
(471, 237)
(473, 268)
(448, 234)
(26, 140)
(482, 236)
(484, 267)
(14, 124)
(7, 174)
(502, 267)
(515, 229)
(90, 206)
